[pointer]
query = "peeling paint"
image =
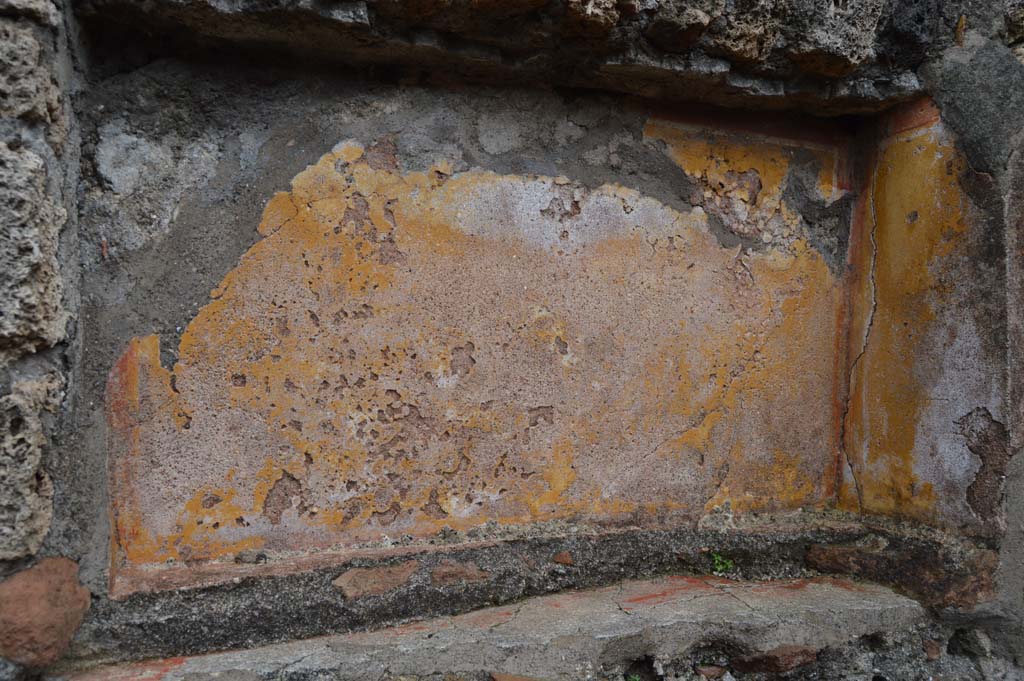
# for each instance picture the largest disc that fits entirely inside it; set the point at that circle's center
(404, 355)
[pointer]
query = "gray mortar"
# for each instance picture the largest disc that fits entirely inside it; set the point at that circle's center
(980, 89)
(254, 611)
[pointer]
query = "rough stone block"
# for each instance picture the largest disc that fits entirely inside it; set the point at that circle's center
(42, 11)
(26, 87)
(26, 502)
(832, 39)
(823, 55)
(40, 609)
(30, 286)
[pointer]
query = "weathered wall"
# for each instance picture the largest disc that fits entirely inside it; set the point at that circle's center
(35, 125)
(353, 349)
(925, 427)
(41, 601)
(410, 353)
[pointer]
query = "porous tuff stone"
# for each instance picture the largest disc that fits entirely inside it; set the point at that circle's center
(29, 278)
(26, 504)
(26, 88)
(857, 55)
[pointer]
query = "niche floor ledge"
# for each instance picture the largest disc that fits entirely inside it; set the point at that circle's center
(599, 633)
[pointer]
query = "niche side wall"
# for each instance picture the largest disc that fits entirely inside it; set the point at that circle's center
(924, 430)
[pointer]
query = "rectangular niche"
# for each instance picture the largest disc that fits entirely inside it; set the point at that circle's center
(410, 353)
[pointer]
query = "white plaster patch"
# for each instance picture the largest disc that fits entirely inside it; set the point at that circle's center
(555, 216)
(122, 159)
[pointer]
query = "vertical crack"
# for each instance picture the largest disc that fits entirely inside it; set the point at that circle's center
(615, 600)
(872, 278)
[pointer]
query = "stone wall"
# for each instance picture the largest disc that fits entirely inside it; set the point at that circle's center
(319, 317)
(41, 600)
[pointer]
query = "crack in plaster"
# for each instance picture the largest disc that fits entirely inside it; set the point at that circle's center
(872, 273)
(722, 589)
(294, 663)
(618, 604)
(515, 616)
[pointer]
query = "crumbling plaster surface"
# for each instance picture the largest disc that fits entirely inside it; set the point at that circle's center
(404, 354)
(579, 138)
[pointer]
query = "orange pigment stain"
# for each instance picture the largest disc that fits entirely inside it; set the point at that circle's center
(391, 359)
(917, 210)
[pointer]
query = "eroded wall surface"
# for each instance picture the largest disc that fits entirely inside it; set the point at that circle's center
(35, 155)
(478, 314)
(407, 354)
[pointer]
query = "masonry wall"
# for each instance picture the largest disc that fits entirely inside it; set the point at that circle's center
(308, 351)
(41, 600)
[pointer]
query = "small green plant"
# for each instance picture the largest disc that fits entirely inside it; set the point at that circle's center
(721, 564)
(633, 677)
